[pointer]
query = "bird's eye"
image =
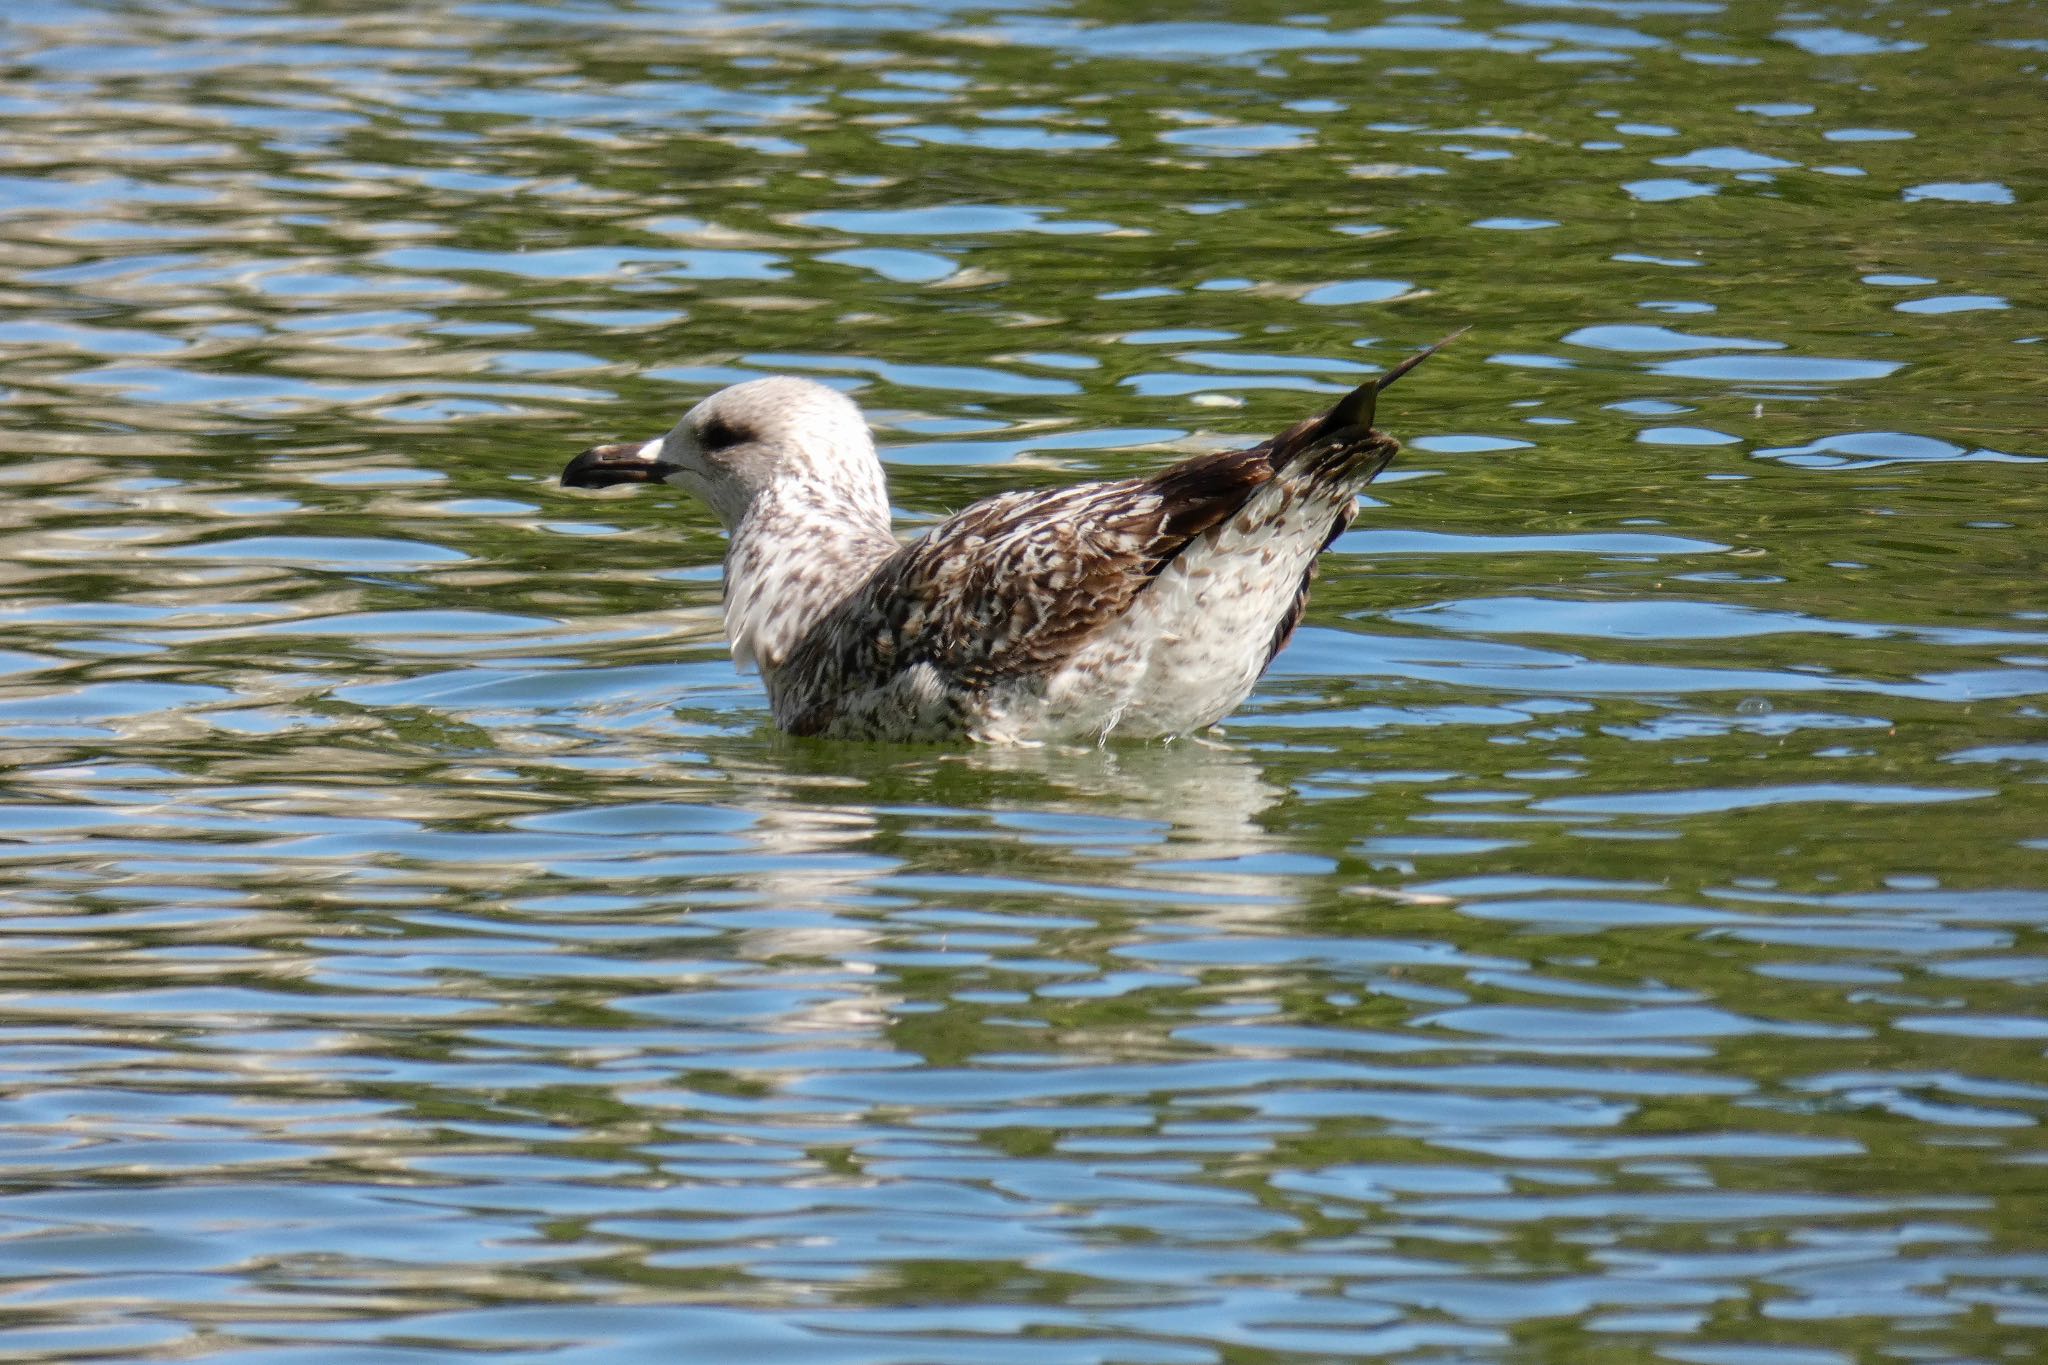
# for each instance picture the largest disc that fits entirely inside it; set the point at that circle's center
(716, 434)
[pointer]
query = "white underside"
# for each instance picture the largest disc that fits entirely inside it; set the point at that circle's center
(1193, 644)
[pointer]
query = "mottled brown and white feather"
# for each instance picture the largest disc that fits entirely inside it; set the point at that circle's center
(1145, 607)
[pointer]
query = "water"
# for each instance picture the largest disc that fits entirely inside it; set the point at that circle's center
(1613, 932)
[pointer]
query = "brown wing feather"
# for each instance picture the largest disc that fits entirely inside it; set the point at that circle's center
(1013, 586)
(1016, 585)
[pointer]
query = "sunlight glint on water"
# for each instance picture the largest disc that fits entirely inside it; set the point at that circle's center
(1614, 930)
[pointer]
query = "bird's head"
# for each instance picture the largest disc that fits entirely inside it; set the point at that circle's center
(744, 440)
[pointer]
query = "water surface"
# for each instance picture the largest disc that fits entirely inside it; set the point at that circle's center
(1613, 931)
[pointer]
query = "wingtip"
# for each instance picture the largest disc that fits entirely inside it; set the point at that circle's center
(1356, 409)
(1386, 380)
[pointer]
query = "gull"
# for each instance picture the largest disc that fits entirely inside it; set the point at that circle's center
(1140, 608)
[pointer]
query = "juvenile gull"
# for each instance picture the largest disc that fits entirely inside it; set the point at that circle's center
(1144, 608)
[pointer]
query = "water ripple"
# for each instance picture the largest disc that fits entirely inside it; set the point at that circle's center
(1616, 921)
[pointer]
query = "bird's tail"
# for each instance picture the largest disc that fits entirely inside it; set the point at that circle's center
(1345, 433)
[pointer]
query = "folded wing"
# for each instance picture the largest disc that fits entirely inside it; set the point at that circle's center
(1011, 588)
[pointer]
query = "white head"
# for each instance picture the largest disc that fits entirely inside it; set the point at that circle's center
(779, 434)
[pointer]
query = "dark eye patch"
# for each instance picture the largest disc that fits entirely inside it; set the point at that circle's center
(717, 433)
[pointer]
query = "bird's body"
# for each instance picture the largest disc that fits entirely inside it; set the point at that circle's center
(1141, 608)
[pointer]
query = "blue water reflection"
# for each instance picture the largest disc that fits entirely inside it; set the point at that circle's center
(1612, 930)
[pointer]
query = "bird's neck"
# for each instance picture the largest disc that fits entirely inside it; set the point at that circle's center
(800, 549)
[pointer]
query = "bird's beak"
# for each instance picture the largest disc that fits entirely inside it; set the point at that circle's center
(632, 462)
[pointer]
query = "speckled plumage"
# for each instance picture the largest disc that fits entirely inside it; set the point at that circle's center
(1142, 608)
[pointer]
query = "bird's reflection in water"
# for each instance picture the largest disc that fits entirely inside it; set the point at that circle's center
(1201, 794)
(1183, 822)
(856, 856)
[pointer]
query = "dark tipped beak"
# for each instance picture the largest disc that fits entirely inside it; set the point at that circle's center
(603, 466)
